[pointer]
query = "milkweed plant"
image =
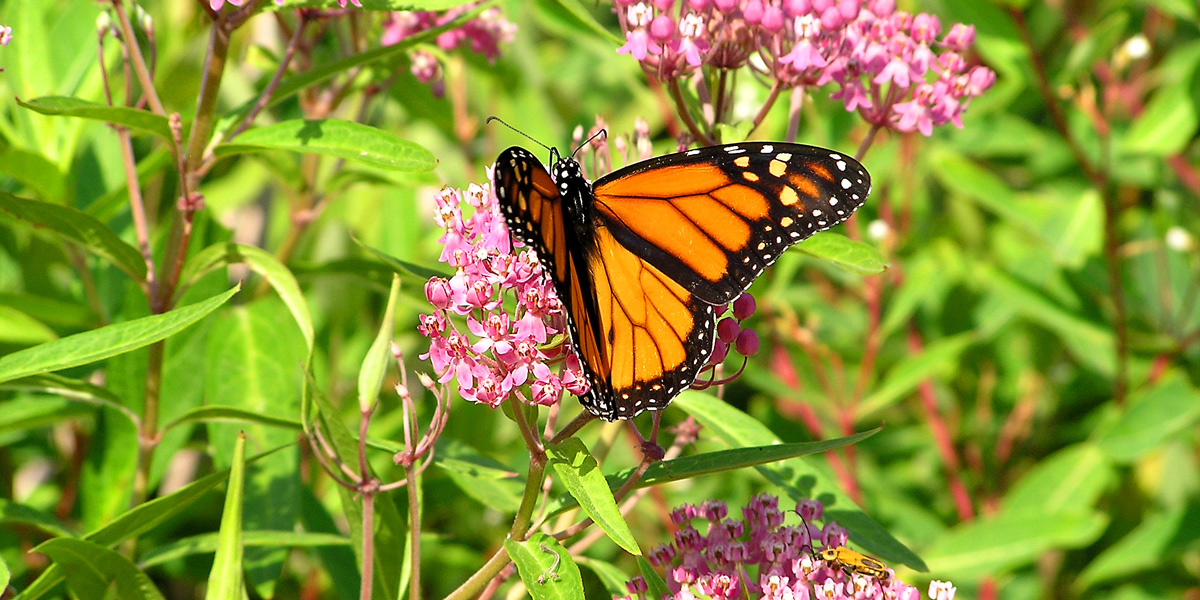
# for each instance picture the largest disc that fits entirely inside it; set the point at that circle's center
(258, 295)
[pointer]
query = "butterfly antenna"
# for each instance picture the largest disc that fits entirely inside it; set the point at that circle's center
(501, 121)
(602, 132)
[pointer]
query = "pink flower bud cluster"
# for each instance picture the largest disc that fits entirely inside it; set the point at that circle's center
(5, 35)
(483, 34)
(895, 68)
(759, 557)
(511, 310)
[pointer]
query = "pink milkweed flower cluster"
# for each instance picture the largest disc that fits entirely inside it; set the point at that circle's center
(895, 68)
(502, 349)
(217, 4)
(484, 34)
(5, 35)
(758, 556)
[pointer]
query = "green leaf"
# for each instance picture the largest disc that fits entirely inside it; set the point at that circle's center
(580, 474)
(1156, 539)
(111, 340)
(5, 575)
(333, 137)
(1070, 480)
(233, 414)
(207, 544)
(797, 476)
(721, 461)
(263, 263)
(546, 568)
(1096, 44)
(656, 587)
(20, 329)
(75, 226)
(27, 413)
(34, 170)
(1092, 344)
(93, 572)
(1167, 125)
(1076, 231)
(992, 546)
(255, 360)
(225, 578)
(611, 576)
(379, 356)
(580, 13)
(851, 255)
(138, 520)
(1153, 417)
(139, 120)
(937, 359)
(483, 478)
(27, 516)
(404, 268)
(961, 175)
(377, 5)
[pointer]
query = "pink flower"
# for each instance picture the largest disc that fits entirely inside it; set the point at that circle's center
(507, 305)
(762, 557)
(484, 34)
(879, 62)
(5, 35)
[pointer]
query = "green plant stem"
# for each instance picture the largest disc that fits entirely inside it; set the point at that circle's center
(414, 530)
(682, 110)
(206, 102)
(368, 545)
(135, 55)
(148, 432)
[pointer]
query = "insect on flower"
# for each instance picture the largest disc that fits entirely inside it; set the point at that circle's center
(642, 257)
(850, 561)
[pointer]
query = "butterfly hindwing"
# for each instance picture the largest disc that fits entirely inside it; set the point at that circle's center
(714, 218)
(658, 338)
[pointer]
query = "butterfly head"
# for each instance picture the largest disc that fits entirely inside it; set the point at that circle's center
(573, 187)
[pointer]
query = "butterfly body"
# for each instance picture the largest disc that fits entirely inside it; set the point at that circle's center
(641, 258)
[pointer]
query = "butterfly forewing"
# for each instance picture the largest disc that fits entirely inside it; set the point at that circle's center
(714, 218)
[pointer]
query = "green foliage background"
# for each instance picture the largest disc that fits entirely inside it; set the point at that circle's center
(1038, 338)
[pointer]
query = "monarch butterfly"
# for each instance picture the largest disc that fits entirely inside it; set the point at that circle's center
(641, 258)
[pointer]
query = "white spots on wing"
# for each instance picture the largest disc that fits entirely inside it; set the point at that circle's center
(767, 149)
(841, 165)
(846, 184)
(784, 156)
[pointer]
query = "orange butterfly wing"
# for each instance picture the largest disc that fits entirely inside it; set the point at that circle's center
(714, 218)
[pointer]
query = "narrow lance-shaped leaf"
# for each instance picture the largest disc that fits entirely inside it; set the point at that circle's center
(141, 120)
(263, 263)
(578, 471)
(332, 137)
(108, 341)
(76, 226)
(546, 568)
(225, 580)
(93, 571)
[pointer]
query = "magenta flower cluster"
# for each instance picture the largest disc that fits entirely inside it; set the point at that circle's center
(502, 348)
(758, 556)
(895, 68)
(483, 33)
(5, 35)
(217, 4)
